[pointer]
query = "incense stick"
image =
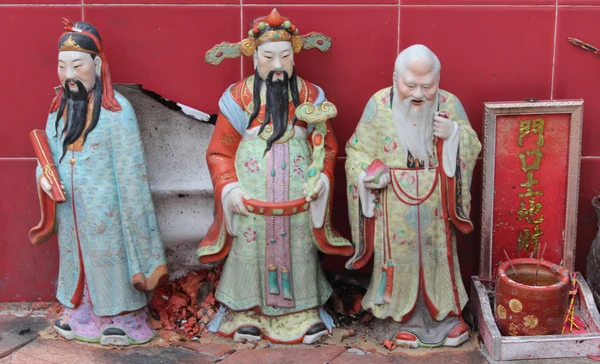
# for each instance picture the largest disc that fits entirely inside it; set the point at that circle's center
(513, 267)
(537, 268)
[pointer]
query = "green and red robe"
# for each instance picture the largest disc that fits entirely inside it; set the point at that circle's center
(272, 265)
(411, 233)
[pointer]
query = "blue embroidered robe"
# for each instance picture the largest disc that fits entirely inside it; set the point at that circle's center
(108, 234)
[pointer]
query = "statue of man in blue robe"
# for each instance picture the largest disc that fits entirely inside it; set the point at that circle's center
(108, 235)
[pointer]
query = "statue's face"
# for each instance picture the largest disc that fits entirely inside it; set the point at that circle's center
(418, 83)
(274, 56)
(74, 65)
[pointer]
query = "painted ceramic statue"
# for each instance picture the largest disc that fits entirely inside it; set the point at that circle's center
(409, 169)
(108, 236)
(271, 159)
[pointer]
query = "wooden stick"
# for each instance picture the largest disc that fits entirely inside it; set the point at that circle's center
(575, 289)
(537, 268)
(573, 323)
(544, 250)
(513, 267)
(571, 310)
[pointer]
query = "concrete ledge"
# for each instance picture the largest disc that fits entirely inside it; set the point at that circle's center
(16, 332)
(175, 145)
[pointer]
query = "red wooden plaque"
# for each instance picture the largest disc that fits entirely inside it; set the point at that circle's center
(531, 175)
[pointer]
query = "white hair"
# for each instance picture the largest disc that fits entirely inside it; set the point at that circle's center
(416, 52)
(415, 124)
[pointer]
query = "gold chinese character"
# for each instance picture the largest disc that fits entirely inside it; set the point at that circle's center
(536, 162)
(528, 213)
(529, 186)
(526, 239)
(525, 127)
(538, 128)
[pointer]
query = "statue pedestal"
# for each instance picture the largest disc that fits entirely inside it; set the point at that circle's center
(580, 343)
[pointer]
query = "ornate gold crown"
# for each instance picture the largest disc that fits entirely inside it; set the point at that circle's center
(71, 45)
(271, 28)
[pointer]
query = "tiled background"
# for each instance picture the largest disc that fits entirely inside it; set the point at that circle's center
(491, 50)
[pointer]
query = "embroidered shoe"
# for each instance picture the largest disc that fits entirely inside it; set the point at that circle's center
(458, 335)
(315, 333)
(406, 339)
(64, 330)
(246, 333)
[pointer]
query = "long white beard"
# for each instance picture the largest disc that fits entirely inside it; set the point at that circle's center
(414, 125)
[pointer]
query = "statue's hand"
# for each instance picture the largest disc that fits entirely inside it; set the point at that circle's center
(315, 193)
(47, 187)
(236, 201)
(384, 180)
(443, 127)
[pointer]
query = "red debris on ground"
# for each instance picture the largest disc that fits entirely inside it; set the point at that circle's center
(55, 308)
(356, 304)
(40, 305)
(347, 304)
(367, 318)
(185, 305)
(389, 344)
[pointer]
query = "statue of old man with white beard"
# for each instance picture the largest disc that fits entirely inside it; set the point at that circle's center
(409, 168)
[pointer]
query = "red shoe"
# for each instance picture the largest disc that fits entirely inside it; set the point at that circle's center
(458, 335)
(406, 339)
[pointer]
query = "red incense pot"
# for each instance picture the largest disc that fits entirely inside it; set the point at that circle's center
(525, 305)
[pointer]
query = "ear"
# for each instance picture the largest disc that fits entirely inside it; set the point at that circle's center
(255, 59)
(395, 76)
(98, 66)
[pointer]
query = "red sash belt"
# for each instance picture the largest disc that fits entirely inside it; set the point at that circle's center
(286, 208)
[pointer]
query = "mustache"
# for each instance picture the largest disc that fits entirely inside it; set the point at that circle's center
(81, 92)
(269, 80)
(409, 102)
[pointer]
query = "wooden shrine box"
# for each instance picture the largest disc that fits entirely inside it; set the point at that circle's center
(529, 202)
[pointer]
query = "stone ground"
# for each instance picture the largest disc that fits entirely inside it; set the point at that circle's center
(31, 340)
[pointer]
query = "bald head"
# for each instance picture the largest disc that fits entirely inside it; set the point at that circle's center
(417, 74)
(417, 56)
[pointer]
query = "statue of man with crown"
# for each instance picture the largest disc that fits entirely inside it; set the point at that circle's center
(109, 241)
(270, 221)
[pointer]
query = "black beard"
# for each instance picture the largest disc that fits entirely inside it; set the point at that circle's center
(276, 109)
(277, 101)
(76, 104)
